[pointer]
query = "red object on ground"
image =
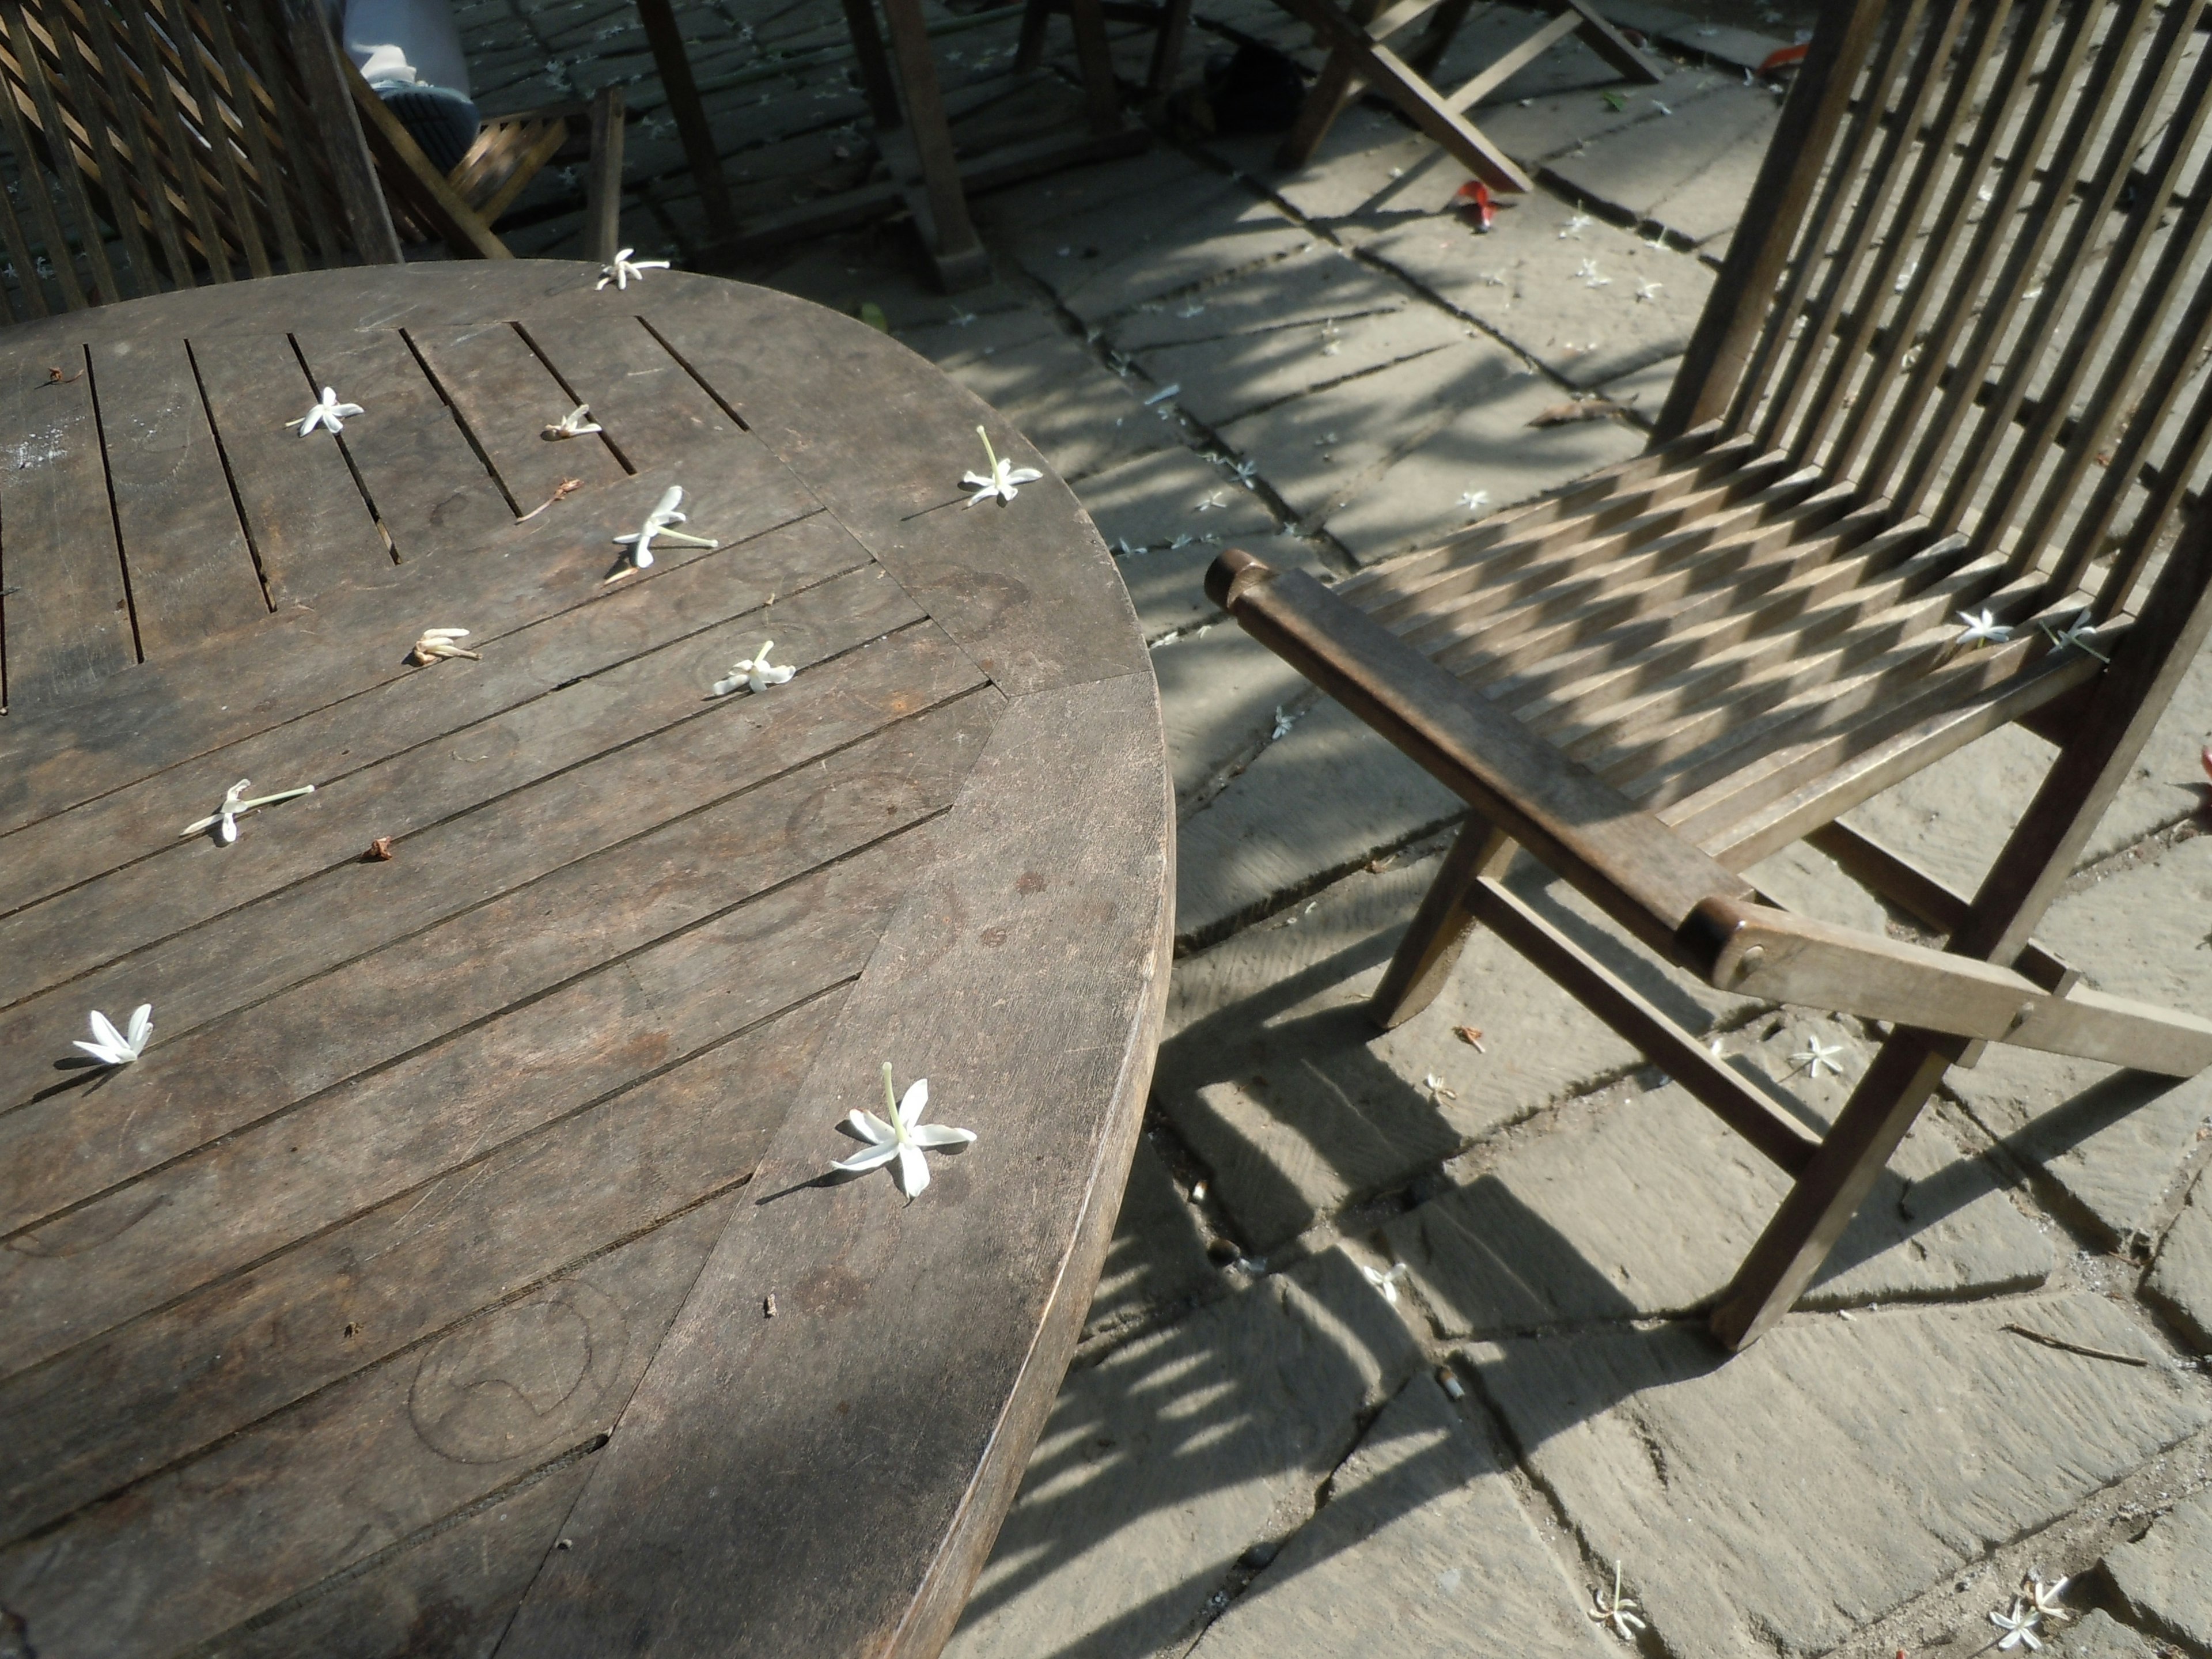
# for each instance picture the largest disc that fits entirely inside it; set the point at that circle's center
(1472, 198)
(1785, 58)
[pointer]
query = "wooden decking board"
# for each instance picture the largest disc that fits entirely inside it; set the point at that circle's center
(429, 485)
(305, 1014)
(217, 1361)
(508, 396)
(191, 574)
(309, 525)
(172, 709)
(140, 820)
(321, 1316)
(354, 1469)
(425, 785)
(68, 614)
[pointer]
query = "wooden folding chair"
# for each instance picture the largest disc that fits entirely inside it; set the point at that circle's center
(1169, 20)
(147, 145)
(1359, 58)
(1953, 363)
(461, 207)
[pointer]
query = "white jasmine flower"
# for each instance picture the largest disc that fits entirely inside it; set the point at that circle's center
(2044, 1598)
(1575, 225)
(1587, 272)
(755, 671)
(1004, 476)
(658, 526)
(328, 412)
(903, 1138)
(1621, 1612)
(437, 642)
(1648, 290)
(1283, 725)
(112, 1048)
(624, 268)
(1163, 393)
(1661, 108)
(1387, 1283)
(1815, 1055)
(224, 819)
(1210, 503)
(2083, 631)
(961, 319)
(1475, 500)
(2019, 1626)
(1984, 627)
(577, 423)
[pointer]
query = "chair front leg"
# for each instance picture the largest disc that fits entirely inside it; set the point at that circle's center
(1437, 933)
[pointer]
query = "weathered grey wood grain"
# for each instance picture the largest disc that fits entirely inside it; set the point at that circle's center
(174, 884)
(428, 954)
(191, 574)
(66, 612)
(988, 982)
(506, 396)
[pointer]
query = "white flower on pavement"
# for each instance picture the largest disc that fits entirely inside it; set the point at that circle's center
(624, 268)
(659, 525)
(903, 1138)
(2018, 1625)
(1386, 1283)
(437, 642)
(1475, 500)
(2044, 1598)
(577, 423)
(1648, 290)
(329, 412)
(112, 1048)
(1587, 272)
(756, 671)
(1817, 1054)
(1003, 481)
(1983, 627)
(1575, 225)
(1623, 1613)
(2083, 631)
(224, 819)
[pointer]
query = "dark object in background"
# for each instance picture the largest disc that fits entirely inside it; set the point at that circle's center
(1254, 89)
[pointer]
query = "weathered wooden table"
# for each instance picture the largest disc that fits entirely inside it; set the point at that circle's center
(457, 1256)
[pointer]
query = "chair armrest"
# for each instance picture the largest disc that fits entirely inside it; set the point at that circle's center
(1625, 861)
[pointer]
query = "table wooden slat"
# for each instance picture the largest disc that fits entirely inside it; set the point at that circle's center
(310, 527)
(506, 396)
(191, 572)
(429, 486)
(655, 411)
(63, 604)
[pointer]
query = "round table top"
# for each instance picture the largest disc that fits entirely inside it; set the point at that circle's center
(460, 1253)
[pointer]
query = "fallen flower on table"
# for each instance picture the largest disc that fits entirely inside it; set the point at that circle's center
(1386, 1283)
(756, 671)
(112, 1048)
(562, 491)
(1982, 628)
(224, 819)
(379, 850)
(55, 377)
(1817, 1054)
(328, 412)
(1003, 479)
(437, 642)
(904, 1138)
(1621, 1612)
(658, 525)
(624, 268)
(577, 423)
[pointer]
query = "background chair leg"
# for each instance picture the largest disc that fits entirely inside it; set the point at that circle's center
(1438, 932)
(1835, 1183)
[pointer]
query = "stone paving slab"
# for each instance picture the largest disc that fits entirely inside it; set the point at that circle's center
(1161, 1464)
(1422, 1549)
(1084, 418)
(1689, 172)
(2180, 1281)
(2163, 1582)
(1315, 285)
(2100, 1636)
(1565, 293)
(1837, 1468)
(1156, 1259)
(1222, 380)
(1274, 1076)
(2140, 932)
(1642, 1206)
(1219, 689)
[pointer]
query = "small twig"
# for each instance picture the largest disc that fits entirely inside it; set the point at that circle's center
(2065, 1346)
(562, 491)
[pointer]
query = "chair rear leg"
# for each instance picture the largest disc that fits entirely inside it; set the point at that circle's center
(1028, 50)
(1835, 1183)
(1437, 933)
(603, 183)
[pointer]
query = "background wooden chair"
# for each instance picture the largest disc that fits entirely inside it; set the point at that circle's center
(1359, 57)
(1955, 360)
(1169, 20)
(461, 207)
(147, 145)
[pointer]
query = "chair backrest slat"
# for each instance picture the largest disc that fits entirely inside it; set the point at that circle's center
(1992, 308)
(163, 143)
